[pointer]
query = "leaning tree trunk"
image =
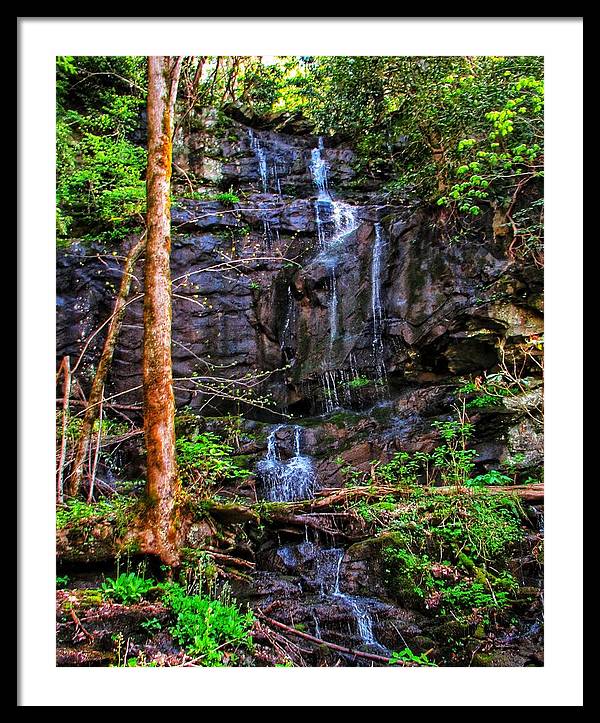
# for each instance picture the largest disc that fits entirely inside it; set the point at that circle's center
(159, 405)
(95, 398)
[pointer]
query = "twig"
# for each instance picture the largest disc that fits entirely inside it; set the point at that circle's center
(334, 646)
(96, 453)
(66, 369)
(78, 624)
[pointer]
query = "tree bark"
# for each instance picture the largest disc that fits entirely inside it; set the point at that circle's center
(159, 404)
(95, 398)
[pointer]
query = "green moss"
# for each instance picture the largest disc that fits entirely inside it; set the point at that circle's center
(344, 419)
(382, 414)
(244, 461)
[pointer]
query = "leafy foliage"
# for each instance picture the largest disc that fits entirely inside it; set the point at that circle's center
(118, 510)
(493, 477)
(206, 626)
(101, 158)
(204, 460)
(444, 550)
(359, 382)
(127, 588)
(466, 132)
(406, 655)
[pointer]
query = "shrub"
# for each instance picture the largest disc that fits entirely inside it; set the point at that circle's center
(205, 626)
(128, 588)
(204, 460)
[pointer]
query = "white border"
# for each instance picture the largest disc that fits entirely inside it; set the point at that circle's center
(560, 681)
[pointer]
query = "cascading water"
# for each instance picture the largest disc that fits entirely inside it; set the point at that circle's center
(286, 480)
(376, 307)
(364, 621)
(326, 580)
(261, 157)
(318, 169)
(288, 318)
(333, 310)
(334, 221)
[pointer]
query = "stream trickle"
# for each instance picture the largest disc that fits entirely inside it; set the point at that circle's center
(325, 578)
(261, 157)
(290, 479)
(376, 307)
(334, 221)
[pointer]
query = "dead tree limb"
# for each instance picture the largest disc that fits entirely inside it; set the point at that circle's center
(65, 368)
(95, 397)
(333, 646)
(90, 496)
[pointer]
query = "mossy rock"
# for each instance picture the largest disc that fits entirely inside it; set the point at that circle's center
(373, 547)
(382, 414)
(344, 419)
(244, 461)
(229, 512)
(452, 630)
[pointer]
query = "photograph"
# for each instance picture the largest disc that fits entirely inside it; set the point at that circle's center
(300, 360)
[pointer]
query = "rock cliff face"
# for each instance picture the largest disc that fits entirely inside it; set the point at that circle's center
(279, 282)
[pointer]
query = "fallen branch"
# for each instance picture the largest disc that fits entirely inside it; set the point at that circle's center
(235, 561)
(65, 368)
(96, 393)
(78, 625)
(81, 403)
(528, 493)
(333, 646)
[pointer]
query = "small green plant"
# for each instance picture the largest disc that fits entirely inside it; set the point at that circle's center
(204, 460)
(227, 198)
(152, 625)
(127, 588)
(205, 626)
(403, 468)
(410, 574)
(359, 382)
(454, 459)
(493, 477)
(406, 655)
(473, 596)
(62, 581)
(75, 511)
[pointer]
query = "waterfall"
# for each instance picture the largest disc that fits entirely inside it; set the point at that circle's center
(329, 564)
(330, 395)
(333, 306)
(318, 169)
(288, 318)
(286, 480)
(377, 310)
(261, 157)
(334, 221)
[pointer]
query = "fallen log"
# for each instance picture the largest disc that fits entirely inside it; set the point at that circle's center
(333, 646)
(320, 521)
(231, 560)
(527, 493)
(331, 496)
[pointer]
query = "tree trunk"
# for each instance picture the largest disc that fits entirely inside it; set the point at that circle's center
(159, 404)
(95, 398)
